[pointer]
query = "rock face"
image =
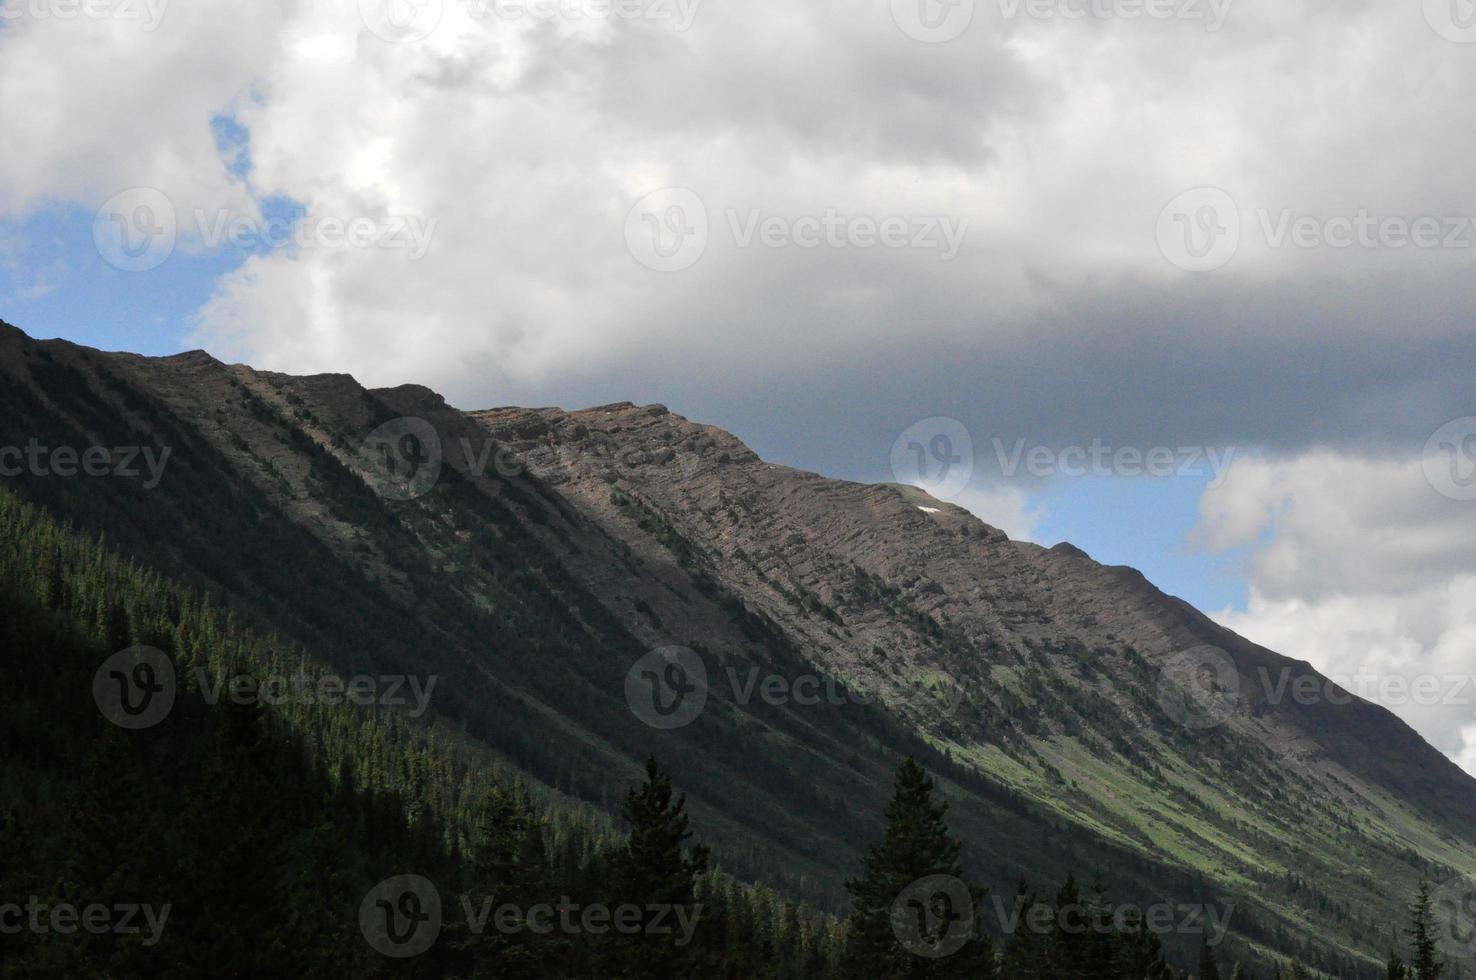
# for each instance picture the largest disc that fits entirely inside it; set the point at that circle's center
(882, 585)
(1080, 719)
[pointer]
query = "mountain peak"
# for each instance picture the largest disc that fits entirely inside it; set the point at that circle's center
(601, 535)
(197, 356)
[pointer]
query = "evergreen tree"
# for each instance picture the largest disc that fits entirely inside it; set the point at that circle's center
(505, 871)
(1209, 968)
(1029, 951)
(1069, 952)
(1426, 964)
(899, 927)
(656, 873)
(1140, 952)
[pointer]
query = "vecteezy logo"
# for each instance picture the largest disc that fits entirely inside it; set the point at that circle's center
(936, 454)
(667, 688)
(1450, 459)
(934, 916)
(667, 230)
(135, 689)
(135, 231)
(1454, 908)
(1454, 20)
(1198, 688)
(1199, 230)
(405, 454)
(933, 21)
(401, 916)
(401, 21)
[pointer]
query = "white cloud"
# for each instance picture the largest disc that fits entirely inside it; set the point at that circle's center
(1361, 568)
(1005, 507)
(528, 141)
(98, 106)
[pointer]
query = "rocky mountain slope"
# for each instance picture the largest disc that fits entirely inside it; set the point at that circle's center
(581, 580)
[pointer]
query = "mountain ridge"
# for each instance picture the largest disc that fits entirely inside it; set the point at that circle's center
(1036, 672)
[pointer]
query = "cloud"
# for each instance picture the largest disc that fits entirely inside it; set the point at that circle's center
(1007, 508)
(107, 103)
(527, 141)
(1359, 566)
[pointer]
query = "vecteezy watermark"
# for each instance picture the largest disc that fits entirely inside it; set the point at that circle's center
(148, 14)
(943, 234)
(669, 687)
(939, 21)
(1202, 229)
(138, 230)
(1199, 688)
(94, 461)
(402, 917)
(678, 14)
(1421, 690)
(137, 688)
(933, 21)
(1199, 230)
(1101, 459)
(1362, 229)
(401, 21)
(1454, 20)
(934, 916)
(1084, 918)
(936, 454)
(595, 919)
(363, 690)
(1453, 905)
(1211, 13)
(1449, 460)
(669, 230)
(65, 919)
(404, 458)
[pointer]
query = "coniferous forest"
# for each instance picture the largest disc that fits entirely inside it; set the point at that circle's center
(242, 839)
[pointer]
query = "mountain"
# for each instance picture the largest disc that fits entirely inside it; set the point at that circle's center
(581, 583)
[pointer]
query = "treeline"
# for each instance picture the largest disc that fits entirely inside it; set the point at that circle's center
(236, 840)
(916, 916)
(245, 841)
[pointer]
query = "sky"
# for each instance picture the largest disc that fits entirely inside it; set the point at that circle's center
(1187, 283)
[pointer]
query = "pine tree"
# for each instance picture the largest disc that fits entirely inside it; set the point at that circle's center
(1070, 952)
(889, 939)
(505, 870)
(1029, 952)
(655, 872)
(1140, 952)
(1426, 964)
(1209, 969)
